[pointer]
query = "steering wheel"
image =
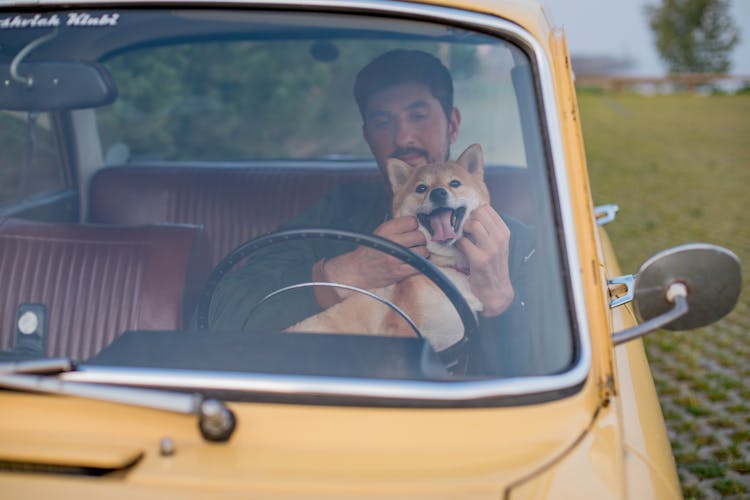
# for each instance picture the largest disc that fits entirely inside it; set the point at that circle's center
(453, 356)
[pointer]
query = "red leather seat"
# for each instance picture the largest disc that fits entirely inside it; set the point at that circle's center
(98, 281)
(236, 204)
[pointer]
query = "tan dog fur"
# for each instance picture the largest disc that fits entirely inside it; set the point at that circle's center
(417, 296)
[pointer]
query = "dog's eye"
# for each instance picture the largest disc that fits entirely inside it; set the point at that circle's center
(421, 188)
(455, 183)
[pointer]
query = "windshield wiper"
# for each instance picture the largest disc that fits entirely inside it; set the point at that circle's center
(45, 366)
(215, 420)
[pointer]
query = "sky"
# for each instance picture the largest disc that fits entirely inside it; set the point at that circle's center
(619, 28)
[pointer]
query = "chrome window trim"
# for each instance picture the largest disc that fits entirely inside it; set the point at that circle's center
(460, 391)
(306, 385)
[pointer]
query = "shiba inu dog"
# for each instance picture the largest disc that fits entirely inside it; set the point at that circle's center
(441, 196)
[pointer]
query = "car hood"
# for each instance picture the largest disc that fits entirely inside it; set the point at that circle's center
(284, 450)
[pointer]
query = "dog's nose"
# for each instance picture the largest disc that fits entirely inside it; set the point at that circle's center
(439, 196)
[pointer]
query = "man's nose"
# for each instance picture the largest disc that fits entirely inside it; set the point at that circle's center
(439, 196)
(404, 133)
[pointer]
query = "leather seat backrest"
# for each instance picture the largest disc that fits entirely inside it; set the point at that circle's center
(98, 281)
(236, 204)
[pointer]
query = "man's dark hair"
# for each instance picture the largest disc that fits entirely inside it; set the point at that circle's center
(405, 66)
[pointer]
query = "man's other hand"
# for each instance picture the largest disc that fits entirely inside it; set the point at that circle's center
(486, 246)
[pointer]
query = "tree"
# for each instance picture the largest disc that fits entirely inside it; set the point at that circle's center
(694, 36)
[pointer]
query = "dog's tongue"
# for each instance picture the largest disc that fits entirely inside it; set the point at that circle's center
(442, 229)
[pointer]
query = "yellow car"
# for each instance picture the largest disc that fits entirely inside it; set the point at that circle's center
(318, 249)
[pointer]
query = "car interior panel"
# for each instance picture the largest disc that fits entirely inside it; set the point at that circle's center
(71, 275)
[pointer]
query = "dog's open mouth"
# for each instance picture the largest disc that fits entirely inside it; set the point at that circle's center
(443, 223)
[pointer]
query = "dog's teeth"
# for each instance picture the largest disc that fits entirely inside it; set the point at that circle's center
(425, 221)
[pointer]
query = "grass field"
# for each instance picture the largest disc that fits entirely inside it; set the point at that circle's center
(679, 168)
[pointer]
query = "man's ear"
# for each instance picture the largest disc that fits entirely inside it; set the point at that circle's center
(454, 123)
(398, 173)
(472, 160)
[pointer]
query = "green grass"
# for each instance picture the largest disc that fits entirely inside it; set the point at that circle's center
(679, 168)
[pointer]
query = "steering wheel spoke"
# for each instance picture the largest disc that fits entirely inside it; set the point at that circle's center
(362, 291)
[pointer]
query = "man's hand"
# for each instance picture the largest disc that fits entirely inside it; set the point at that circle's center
(485, 245)
(369, 268)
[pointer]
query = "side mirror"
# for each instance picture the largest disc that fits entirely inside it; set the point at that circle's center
(684, 287)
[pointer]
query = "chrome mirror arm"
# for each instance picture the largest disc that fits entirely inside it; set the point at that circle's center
(677, 295)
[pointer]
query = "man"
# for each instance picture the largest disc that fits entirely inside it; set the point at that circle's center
(406, 102)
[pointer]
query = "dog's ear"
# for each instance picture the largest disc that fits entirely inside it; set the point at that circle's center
(398, 173)
(473, 160)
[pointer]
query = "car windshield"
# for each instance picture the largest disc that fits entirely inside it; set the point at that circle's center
(279, 193)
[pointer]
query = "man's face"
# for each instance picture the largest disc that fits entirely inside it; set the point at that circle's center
(406, 121)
